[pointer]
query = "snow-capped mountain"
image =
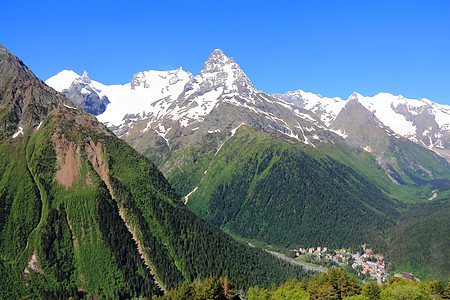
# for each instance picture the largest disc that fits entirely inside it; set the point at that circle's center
(132, 100)
(220, 96)
(419, 120)
(62, 80)
(174, 106)
(83, 93)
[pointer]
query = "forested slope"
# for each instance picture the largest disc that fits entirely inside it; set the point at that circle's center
(420, 243)
(258, 186)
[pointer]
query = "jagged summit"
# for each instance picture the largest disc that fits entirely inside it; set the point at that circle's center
(85, 78)
(215, 60)
(217, 52)
(354, 97)
(220, 71)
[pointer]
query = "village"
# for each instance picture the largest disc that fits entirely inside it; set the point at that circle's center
(365, 263)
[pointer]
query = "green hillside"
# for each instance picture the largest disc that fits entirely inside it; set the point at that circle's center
(261, 187)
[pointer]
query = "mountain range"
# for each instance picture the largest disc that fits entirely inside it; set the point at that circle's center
(156, 95)
(294, 169)
(84, 214)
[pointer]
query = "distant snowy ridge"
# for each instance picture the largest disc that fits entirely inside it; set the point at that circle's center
(163, 98)
(419, 120)
(135, 98)
(325, 108)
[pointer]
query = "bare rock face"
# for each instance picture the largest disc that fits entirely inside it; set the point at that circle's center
(85, 96)
(24, 99)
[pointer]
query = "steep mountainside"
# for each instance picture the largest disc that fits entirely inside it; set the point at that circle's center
(82, 213)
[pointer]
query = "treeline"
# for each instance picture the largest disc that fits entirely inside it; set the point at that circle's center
(335, 285)
(210, 288)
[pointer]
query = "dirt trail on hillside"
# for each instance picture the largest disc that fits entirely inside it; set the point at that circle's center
(96, 157)
(144, 257)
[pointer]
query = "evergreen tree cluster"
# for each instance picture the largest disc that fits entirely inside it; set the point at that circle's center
(420, 243)
(174, 236)
(335, 285)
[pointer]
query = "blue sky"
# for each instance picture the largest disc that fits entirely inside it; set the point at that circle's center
(328, 47)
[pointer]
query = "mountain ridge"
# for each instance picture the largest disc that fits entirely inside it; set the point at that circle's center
(420, 120)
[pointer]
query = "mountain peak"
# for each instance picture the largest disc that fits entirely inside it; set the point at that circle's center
(20, 107)
(217, 52)
(85, 78)
(221, 71)
(355, 96)
(62, 80)
(11, 66)
(219, 55)
(217, 61)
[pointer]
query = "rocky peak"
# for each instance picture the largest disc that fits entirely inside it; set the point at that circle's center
(11, 66)
(217, 53)
(217, 61)
(220, 71)
(354, 97)
(85, 78)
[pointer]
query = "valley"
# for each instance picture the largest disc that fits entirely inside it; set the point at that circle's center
(178, 177)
